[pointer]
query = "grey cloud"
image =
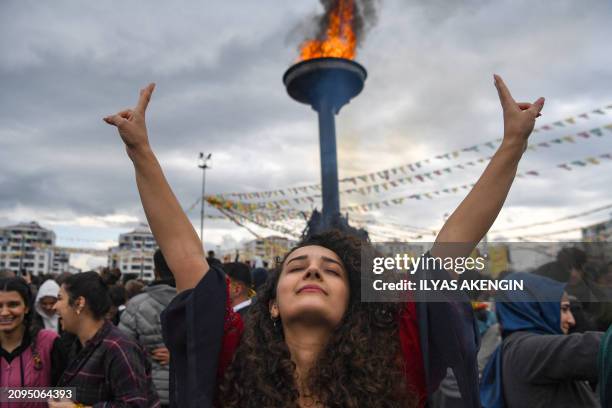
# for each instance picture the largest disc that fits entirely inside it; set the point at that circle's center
(218, 66)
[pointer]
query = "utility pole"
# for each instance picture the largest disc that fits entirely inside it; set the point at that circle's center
(203, 164)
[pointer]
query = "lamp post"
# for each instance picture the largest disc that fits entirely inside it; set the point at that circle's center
(203, 164)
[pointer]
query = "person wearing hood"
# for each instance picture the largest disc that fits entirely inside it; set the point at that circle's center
(141, 320)
(46, 297)
(538, 364)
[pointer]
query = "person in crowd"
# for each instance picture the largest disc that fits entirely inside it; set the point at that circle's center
(30, 356)
(45, 316)
(604, 275)
(6, 273)
(107, 367)
(260, 275)
(309, 340)
(562, 272)
(133, 287)
(240, 289)
(573, 259)
(111, 276)
(118, 297)
(211, 259)
(539, 364)
(141, 321)
(62, 277)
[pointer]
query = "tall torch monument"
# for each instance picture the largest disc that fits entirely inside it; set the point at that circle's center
(326, 84)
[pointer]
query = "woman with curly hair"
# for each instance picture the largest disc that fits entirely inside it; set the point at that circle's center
(310, 341)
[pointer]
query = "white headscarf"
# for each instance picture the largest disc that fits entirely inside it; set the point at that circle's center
(48, 288)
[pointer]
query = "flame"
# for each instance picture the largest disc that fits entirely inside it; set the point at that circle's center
(340, 40)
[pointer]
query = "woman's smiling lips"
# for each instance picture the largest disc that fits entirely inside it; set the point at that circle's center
(311, 288)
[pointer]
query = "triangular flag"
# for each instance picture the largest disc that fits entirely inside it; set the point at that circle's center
(565, 166)
(571, 121)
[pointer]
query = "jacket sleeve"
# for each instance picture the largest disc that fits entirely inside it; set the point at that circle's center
(560, 357)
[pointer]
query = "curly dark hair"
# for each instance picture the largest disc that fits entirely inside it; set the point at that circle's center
(361, 366)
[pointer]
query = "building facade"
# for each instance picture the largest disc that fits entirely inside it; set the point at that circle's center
(28, 247)
(266, 249)
(134, 254)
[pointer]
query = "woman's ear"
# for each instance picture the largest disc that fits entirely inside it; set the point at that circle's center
(79, 304)
(273, 306)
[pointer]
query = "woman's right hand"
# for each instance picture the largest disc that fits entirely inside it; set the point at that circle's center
(131, 123)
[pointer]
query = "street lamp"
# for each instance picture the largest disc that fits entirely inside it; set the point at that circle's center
(203, 164)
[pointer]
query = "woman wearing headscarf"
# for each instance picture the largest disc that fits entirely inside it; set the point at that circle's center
(539, 364)
(46, 297)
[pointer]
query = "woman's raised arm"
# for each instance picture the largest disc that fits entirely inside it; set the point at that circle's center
(172, 229)
(477, 212)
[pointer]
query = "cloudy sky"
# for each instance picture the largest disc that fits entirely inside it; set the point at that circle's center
(218, 67)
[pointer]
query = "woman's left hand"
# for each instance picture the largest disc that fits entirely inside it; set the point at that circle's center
(519, 118)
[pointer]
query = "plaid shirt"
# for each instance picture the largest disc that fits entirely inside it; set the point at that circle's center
(110, 371)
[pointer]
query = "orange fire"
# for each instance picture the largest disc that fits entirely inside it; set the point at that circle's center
(340, 38)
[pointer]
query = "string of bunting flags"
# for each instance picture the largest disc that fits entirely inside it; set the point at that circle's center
(387, 174)
(430, 175)
(277, 206)
(548, 222)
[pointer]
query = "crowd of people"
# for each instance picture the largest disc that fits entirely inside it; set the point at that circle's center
(207, 333)
(70, 331)
(97, 332)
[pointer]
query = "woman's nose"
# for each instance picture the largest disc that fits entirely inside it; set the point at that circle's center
(312, 272)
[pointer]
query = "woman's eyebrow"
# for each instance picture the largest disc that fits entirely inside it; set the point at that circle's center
(297, 258)
(326, 259)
